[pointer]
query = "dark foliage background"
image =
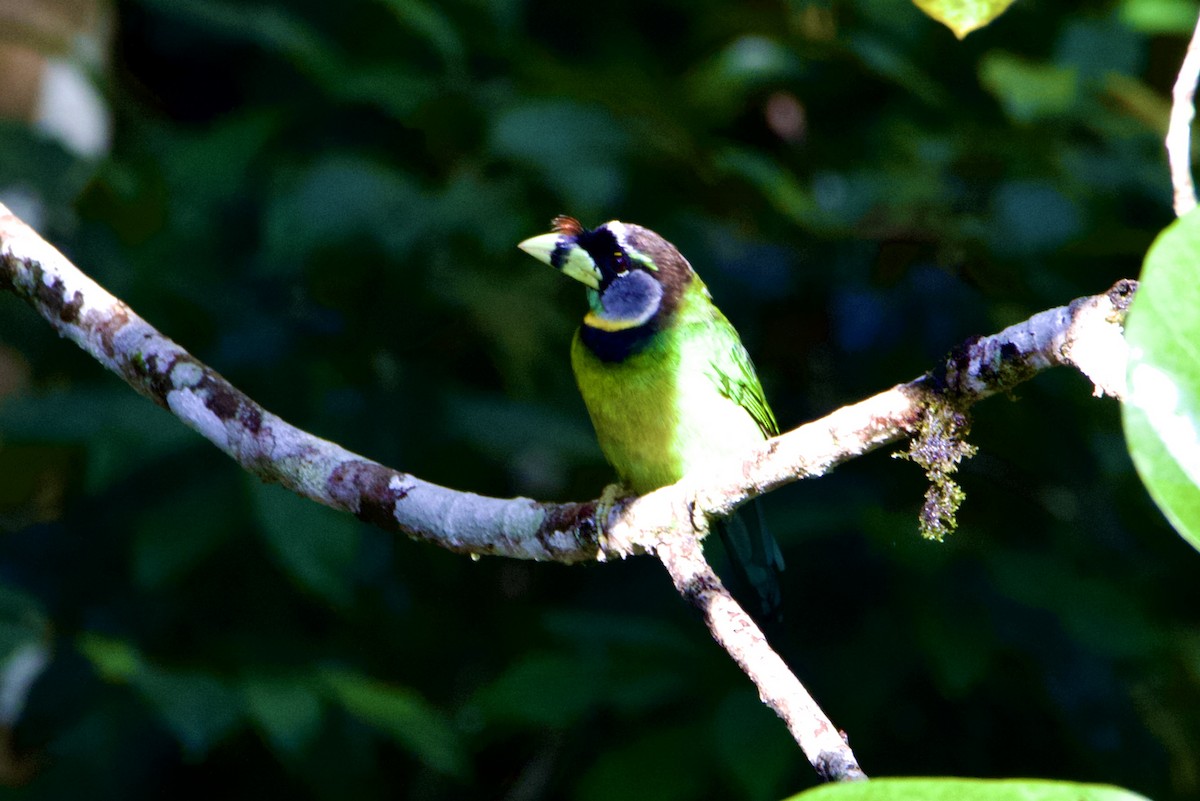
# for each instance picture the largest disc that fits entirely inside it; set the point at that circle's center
(322, 201)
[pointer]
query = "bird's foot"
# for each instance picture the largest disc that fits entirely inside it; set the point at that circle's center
(608, 501)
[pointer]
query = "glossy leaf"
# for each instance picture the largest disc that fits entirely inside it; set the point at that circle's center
(963, 16)
(1162, 411)
(948, 789)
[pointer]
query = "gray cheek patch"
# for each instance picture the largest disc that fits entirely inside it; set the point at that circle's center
(632, 296)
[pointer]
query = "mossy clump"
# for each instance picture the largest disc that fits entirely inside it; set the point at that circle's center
(938, 446)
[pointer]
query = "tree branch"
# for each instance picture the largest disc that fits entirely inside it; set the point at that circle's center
(1179, 131)
(1087, 334)
(825, 747)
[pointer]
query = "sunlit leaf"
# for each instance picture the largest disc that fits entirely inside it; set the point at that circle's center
(1162, 411)
(963, 16)
(949, 789)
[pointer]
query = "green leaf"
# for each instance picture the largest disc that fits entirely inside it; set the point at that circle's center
(315, 545)
(544, 690)
(341, 199)
(122, 430)
(1159, 16)
(751, 746)
(22, 620)
(769, 177)
(577, 148)
(199, 709)
(948, 789)
(428, 22)
(663, 764)
(404, 715)
(116, 661)
(1162, 410)
(1029, 90)
(171, 538)
(963, 16)
(286, 710)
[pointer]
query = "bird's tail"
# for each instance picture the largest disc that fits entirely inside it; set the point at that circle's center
(755, 556)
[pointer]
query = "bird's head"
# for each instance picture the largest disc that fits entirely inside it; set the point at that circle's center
(632, 274)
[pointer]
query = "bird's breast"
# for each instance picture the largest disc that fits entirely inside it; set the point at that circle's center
(658, 413)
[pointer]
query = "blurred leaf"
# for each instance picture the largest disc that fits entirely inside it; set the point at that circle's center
(949, 789)
(21, 620)
(776, 184)
(543, 690)
(663, 764)
(745, 65)
(890, 61)
(170, 538)
(612, 628)
(1139, 101)
(33, 164)
(1159, 16)
(405, 716)
(208, 165)
(198, 708)
(963, 16)
(752, 745)
(505, 428)
(433, 26)
(115, 660)
(122, 430)
(267, 26)
(395, 90)
(1162, 410)
(340, 199)
(1029, 91)
(576, 148)
(1032, 217)
(286, 709)
(315, 545)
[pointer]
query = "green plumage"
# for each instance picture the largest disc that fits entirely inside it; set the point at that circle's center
(668, 385)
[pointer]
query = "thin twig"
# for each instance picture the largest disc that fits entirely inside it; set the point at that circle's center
(826, 748)
(1179, 132)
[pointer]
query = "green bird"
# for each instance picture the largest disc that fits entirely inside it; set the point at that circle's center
(665, 377)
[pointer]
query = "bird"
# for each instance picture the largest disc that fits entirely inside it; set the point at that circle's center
(665, 378)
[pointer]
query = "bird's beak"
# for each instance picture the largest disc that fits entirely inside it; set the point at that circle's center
(563, 254)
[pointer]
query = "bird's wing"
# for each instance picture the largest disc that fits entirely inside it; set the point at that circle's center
(736, 379)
